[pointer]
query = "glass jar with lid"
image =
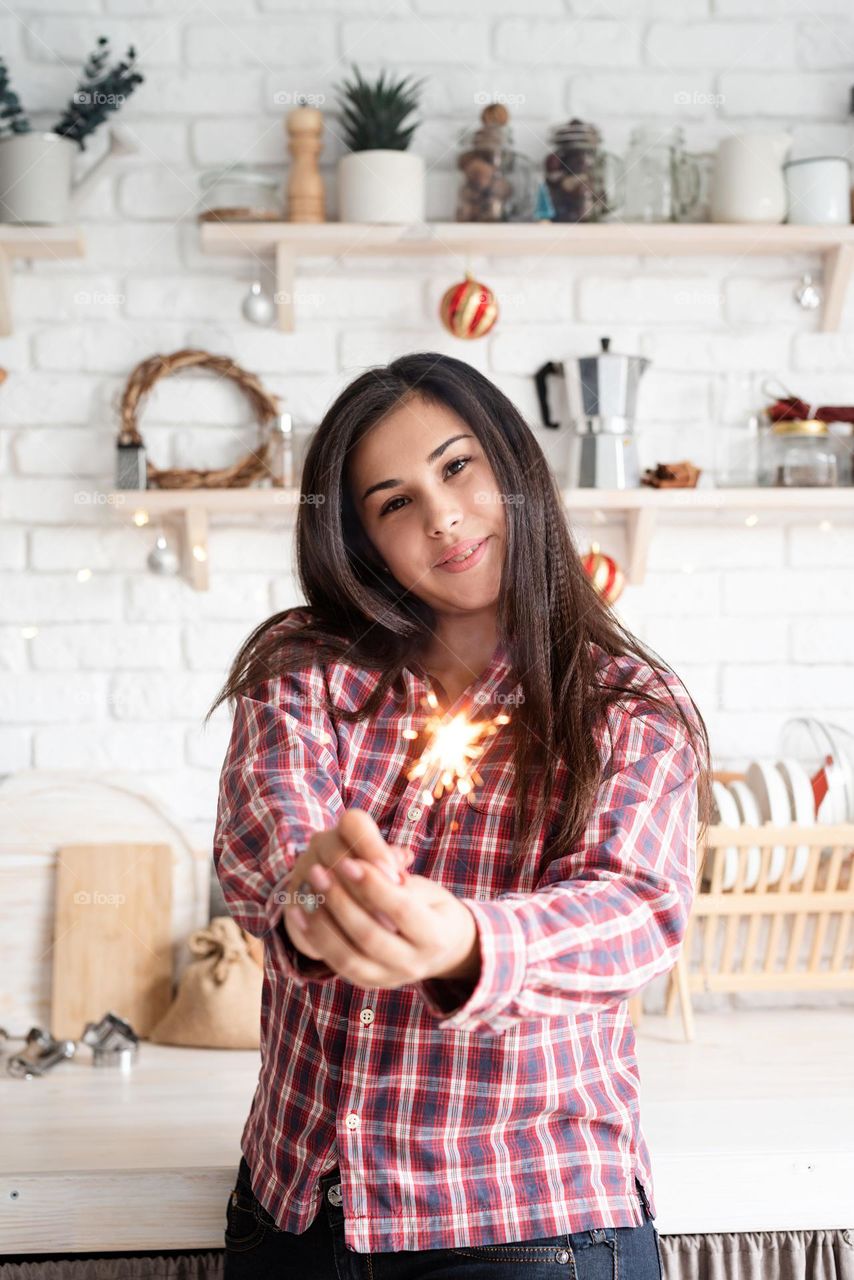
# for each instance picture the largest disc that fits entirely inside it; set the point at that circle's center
(241, 193)
(497, 181)
(581, 177)
(799, 453)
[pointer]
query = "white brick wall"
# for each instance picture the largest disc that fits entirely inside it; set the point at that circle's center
(758, 620)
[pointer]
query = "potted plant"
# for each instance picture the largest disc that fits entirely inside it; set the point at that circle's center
(379, 180)
(36, 170)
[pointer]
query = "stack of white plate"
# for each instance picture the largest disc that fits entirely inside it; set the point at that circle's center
(781, 792)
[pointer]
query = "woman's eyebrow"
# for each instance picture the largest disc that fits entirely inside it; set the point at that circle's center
(431, 457)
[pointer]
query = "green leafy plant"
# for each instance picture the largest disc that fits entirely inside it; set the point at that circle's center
(13, 118)
(373, 116)
(102, 89)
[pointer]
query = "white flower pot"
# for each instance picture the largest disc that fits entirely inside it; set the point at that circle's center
(381, 186)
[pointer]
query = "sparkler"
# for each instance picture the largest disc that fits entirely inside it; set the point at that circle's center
(447, 762)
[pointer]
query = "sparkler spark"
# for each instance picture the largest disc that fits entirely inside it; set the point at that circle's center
(447, 762)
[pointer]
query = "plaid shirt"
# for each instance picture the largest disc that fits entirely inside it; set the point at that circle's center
(502, 1110)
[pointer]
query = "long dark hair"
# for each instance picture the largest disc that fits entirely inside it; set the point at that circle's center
(549, 614)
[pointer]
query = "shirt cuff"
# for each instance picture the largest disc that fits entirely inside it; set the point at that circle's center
(286, 957)
(502, 974)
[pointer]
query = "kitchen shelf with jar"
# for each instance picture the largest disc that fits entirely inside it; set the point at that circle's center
(640, 509)
(31, 242)
(290, 242)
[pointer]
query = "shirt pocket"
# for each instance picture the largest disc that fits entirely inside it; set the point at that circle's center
(495, 795)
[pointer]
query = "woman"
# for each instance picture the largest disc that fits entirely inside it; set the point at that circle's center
(448, 1082)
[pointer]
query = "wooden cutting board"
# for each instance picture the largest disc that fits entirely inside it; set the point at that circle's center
(112, 947)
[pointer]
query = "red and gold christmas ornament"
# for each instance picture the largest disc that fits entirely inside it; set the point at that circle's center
(604, 572)
(468, 309)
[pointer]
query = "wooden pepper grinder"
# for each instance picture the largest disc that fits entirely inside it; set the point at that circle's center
(305, 185)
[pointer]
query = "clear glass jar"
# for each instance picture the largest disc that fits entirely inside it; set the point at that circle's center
(287, 445)
(241, 193)
(800, 454)
(497, 182)
(737, 455)
(662, 182)
(581, 177)
(842, 434)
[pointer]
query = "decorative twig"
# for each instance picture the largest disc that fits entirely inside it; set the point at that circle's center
(13, 118)
(98, 93)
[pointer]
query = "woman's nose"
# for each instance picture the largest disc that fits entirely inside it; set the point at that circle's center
(443, 516)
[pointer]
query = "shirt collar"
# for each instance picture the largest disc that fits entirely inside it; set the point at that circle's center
(489, 679)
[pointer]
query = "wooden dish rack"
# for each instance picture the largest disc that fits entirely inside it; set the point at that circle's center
(770, 937)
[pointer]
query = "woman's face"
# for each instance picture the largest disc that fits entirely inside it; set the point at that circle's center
(421, 483)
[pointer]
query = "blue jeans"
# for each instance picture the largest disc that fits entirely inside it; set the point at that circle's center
(256, 1249)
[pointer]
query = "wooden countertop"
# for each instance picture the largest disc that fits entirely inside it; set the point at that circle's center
(751, 1127)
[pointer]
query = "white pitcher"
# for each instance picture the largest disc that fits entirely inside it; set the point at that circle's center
(747, 182)
(37, 181)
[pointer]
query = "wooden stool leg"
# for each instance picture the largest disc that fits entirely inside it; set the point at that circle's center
(680, 974)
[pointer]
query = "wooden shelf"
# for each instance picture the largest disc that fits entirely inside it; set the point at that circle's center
(31, 242)
(638, 508)
(189, 510)
(289, 242)
(642, 508)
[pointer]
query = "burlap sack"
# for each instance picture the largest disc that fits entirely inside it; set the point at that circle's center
(218, 1003)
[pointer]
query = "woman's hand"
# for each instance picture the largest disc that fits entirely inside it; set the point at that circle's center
(436, 935)
(355, 834)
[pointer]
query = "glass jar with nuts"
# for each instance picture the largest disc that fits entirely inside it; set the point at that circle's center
(496, 183)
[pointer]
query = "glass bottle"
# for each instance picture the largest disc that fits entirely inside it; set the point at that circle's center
(281, 461)
(737, 454)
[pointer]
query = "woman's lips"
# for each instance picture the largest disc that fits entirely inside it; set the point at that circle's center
(460, 566)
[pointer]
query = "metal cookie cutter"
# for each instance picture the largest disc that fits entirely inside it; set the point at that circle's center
(42, 1052)
(113, 1041)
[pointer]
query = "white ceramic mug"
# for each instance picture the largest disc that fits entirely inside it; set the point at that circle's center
(818, 191)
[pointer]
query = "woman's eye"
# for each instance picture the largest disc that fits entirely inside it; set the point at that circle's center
(390, 505)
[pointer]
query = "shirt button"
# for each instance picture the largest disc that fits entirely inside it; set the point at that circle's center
(352, 1121)
(333, 1195)
(367, 1016)
(414, 814)
(562, 1255)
